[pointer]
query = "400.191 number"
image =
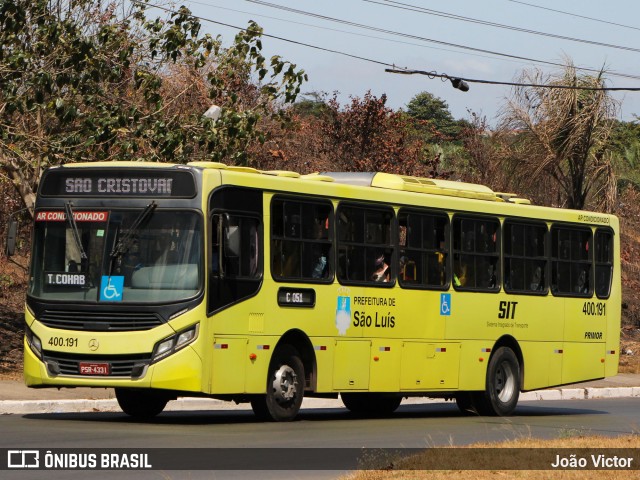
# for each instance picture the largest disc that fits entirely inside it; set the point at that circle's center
(63, 342)
(598, 309)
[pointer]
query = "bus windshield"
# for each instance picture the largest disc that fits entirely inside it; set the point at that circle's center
(128, 256)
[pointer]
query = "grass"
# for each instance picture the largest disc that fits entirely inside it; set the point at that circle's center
(630, 363)
(413, 467)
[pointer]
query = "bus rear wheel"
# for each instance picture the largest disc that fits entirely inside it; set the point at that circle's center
(139, 403)
(371, 403)
(503, 385)
(285, 387)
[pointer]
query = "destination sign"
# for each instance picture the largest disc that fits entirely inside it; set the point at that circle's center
(296, 297)
(119, 183)
(66, 279)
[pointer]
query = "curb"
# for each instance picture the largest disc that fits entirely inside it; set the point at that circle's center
(581, 393)
(25, 407)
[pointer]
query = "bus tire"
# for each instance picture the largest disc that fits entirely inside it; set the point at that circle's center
(139, 403)
(285, 387)
(371, 404)
(503, 385)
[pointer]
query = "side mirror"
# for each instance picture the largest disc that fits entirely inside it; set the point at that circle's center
(12, 233)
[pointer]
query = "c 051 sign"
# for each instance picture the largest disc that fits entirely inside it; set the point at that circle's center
(296, 297)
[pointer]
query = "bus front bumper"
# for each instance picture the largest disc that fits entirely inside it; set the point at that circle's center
(179, 371)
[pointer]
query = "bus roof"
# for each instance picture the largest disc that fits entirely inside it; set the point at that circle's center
(372, 182)
(388, 181)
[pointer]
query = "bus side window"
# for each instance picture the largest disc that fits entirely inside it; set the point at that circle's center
(603, 262)
(476, 253)
(525, 260)
(365, 250)
(422, 237)
(571, 261)
(301, 240)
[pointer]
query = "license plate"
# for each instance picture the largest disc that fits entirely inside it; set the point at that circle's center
(94, 368)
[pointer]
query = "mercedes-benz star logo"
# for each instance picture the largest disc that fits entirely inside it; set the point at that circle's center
(93, 344)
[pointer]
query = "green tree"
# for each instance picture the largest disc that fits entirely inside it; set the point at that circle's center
(434, 112)
(80, 83)
(312, 104)
(625, 144)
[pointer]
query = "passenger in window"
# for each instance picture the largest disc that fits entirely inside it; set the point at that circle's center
(132, 257)
(442, 267)
(381, 272)
(320, 232)
(536, 280)
(508, 275)
(292, 227)
(492, 280)
(321, 228)
(291, 262)
(320, 269)
(583, 284)
(488, 239)
(460, 275)
(165, 250)
(407, 269)
(131, 261)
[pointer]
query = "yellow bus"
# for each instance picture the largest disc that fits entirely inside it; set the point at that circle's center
(164, 281)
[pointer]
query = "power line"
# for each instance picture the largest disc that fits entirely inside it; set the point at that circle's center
(296, 42)
(430, 40)
(458, 82)
(437, 13)
(454, 80)
(363, 35)
(575, 15)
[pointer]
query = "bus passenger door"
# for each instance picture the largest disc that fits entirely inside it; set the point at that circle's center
(351, 365)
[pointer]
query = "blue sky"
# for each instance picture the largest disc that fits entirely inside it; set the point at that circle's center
(329, 72)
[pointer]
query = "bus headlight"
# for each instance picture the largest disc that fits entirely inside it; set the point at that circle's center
(174, 343)
(34, 342)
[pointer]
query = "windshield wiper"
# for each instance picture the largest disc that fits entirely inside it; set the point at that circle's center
(125, 242)
(74, 229)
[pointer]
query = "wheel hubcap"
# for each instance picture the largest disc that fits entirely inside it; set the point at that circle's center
(285, 384)
(505, 382)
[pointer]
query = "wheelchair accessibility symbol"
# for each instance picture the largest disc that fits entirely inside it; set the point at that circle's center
(111, 289)
(445, 304)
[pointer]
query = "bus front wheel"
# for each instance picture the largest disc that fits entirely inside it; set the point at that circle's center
(285, 387)
(139, 403)
(503, 385)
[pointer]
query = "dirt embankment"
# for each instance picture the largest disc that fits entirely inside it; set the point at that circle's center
(13, 281)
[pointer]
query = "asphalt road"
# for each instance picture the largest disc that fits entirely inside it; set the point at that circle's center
(412, 426)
